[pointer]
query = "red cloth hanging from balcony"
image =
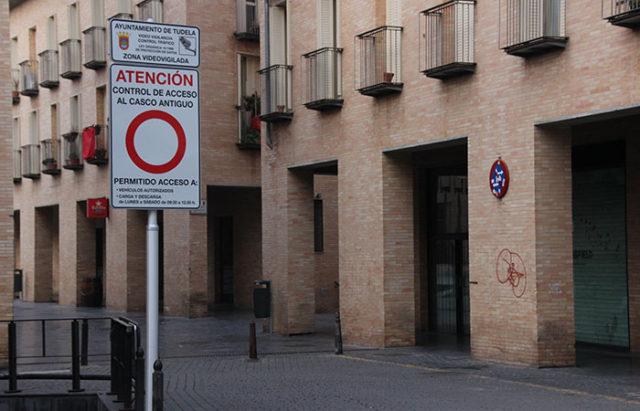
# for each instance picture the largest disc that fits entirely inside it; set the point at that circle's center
(89, 142)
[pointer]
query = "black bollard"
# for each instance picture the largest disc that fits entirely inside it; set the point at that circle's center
(140, 385)
(75, 358)
(158, 386)
(13, 361)
(85, 343)
(338, 342)
(253, 350)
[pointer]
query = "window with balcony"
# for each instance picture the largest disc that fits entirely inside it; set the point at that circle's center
(248, 104)
(15, 71)
(529, 27)
(447, 33)
(31, 152)
(322, 68)
(17, 153)
(29, 78)
(247, 25)
(323, 79)
(95, 138)
(379, 61)
(49, 69)
(624, 13)
(70, 49)
(50, 148)
(276, 104)
(95, 54)
(72, 142)
(150, 10)
(70, 60)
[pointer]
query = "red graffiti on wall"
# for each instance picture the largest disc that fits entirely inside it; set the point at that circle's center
(511, 269)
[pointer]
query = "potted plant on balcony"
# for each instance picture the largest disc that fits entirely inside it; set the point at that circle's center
(387, 76)
(251, 104)
(74, 159)
(50, 163)
(100, 154)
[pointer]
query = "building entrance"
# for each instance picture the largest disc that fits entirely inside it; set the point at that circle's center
(448, 251)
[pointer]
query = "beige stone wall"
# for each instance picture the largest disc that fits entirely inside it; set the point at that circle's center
(496, 108)
(222, 163)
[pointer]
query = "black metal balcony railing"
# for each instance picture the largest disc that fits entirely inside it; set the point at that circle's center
(622, 12)
(379, 61)
(323, 79)
(247, 26)
(70, 59)
(50, 150)
(95, 53)
(448, 34)
(29, 78)
(100, 154)
(49, 69)
(31, 161)
(15, 79)
(249, 124)
(276, 86)
(529, 27)
(72, 151)
(17, 165)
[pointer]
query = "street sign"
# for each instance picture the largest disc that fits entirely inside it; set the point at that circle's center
(155, 43)
(155, 137)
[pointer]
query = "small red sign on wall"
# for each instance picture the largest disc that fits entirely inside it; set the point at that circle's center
(97, 208)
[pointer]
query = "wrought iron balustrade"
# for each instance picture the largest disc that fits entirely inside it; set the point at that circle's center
(31, 161)
(622, 12)
(323, 78)
(72, 151)
(95, 54)
(276, 86)
(530, 27)
(248, 27)
(70, 59)
(50, 149)
(17, 165)
(29, 78)
(49, 69)
(447, 31)
(379, 61)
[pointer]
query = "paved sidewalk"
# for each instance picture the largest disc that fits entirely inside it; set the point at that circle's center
(206, 368)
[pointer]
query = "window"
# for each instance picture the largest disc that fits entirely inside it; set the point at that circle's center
(17, 156)
(95, 54)
(150, 10)
(124, 10)
(74, 114)
(52, 33)
(97, 13)
(72, 143)
(73, 29)
(50, 147)
(33, 127)
(49, 57)
(248, 101)
(15, 133)
(15, 71)
(247, 20)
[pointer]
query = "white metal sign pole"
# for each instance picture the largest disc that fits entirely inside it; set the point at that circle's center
(152, 304)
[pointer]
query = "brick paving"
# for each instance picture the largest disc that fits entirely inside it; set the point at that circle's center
(206, 368)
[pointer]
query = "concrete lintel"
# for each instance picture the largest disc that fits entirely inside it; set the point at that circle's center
(590, 116)
(312, 165)
(428, 145)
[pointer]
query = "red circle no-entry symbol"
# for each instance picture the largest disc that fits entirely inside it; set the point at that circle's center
(131, 149)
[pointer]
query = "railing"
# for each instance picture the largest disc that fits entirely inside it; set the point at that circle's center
(15, 91)
(17, 165)
(249, 124)
(29, 78)
(70, 59)
(49, 69)
(622, 12)
(31, 161)
(379, 61)
(150, 9)
(523, 21)
(323, 78)
(95, 144)
(248, 27)
(448, 34)
(72, 151)
(50, 150)
(127, 371)
(95, 54)
(276, 86)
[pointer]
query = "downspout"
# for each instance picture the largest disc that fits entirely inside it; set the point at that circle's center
(267, 64)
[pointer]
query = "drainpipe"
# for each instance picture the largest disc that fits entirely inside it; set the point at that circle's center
(266, 64)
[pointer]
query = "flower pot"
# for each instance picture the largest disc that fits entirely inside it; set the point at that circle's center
(281, 108)
(387, 77)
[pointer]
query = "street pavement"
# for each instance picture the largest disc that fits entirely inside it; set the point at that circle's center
(206, 367)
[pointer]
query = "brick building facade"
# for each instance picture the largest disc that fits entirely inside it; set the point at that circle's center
(408, 104)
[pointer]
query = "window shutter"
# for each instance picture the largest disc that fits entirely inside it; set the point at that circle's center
(326, 23)
(73, 22)
(16, 133)
(277, 35)
(97, 13)
(252, 66)
(33, 127)
(393, 13)
(242, 16)
(51, 33)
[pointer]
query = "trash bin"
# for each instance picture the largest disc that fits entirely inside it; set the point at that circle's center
(262, 299)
